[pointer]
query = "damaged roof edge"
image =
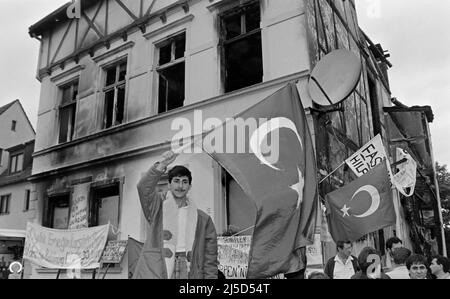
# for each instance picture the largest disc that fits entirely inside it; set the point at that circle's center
(55, 17)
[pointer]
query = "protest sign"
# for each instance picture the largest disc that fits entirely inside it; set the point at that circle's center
(79, 206)
(114, 252)
(233, 256)
(314, 252)
(369, 156)
(65, 249)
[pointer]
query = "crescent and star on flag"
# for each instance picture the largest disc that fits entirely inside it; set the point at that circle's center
(258, 137)
(375, 202)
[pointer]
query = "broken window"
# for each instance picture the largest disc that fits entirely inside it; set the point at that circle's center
(171, 73)
(115, 90)
(105, 206)
(58, 217)
(4, 204)
(67, 111)
(16, 163)
(241, 47)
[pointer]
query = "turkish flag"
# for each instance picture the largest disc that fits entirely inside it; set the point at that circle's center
(361, 207)
(284, 187)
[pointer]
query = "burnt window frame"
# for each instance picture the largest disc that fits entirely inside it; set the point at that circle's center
(52, 202)
(224, 42)
(5, 210)
(173, 62)
(14, 157)
(70, 105)
(115, 87)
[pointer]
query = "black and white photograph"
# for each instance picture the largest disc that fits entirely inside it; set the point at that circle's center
(224, 144)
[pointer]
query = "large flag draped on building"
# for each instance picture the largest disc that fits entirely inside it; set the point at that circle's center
(362, 207)
(284, 189)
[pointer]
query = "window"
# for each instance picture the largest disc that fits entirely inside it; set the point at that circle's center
(4, 204)
(58, 217)
(16, 164)
(115, 90)
(26, 206)
(171, 73)
(67, 111)
(13, 125)
(241, 47)
(1, 156)
(104, 208)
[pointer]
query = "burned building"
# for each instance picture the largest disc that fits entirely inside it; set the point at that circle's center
(114, 80)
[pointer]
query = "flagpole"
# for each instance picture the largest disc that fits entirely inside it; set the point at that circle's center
(323, 180)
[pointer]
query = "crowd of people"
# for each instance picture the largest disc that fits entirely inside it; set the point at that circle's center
(368, 265)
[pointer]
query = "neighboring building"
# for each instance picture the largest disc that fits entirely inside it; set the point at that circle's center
(16, 149)
(114, 81)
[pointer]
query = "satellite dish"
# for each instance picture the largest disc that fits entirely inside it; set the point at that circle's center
(334, 78)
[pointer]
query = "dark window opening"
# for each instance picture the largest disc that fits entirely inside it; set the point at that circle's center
(13, 125)
(1, 156)
(242, 49)
(27, 200)
(171, 74)
(4, 204)
(375, 107)
(67, 112)
(115, 91)
(16, 163)
(58, 217)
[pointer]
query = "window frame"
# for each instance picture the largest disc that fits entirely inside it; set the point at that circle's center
(115, 88)
(8, 202)
(224, 42)
(51, 202)
(171, 39)
(13, 170)
(73, 104)
(14, 125)
(27, 200)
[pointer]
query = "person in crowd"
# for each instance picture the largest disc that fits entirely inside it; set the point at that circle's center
(417, 266)
(391, 244)
(369, 261)
(440, 267)
(399, 270)
(343, 265)
(181, 240)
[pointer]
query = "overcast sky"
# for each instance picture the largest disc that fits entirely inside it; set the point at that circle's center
(414, 31)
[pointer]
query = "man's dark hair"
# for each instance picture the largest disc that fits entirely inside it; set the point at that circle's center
(363, 256)
(400, 255)
(392, 241)
(340, 244)
(444, 261)
(180, 171)
(416, 259)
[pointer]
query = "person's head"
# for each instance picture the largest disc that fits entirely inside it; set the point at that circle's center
(440, 265)
(344, 248)
(393, 243)
(318, 275)
(180, 180)
(365, 258)
(400, 255)
(417, 266)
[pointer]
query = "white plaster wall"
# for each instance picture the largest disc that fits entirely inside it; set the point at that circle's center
(16, 219)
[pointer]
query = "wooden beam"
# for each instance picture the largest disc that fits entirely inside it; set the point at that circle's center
(89, 27)
(62, 40)
(92, 25)
(149, 10)
(129, 12)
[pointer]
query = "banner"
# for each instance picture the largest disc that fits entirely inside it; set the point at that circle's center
(314, 252)
(114, 252)
(406, 177)
(65, 249)
(233, 256)
(79, 207)
(369, 156)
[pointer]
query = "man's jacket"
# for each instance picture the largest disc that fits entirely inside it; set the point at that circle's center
(151, 263)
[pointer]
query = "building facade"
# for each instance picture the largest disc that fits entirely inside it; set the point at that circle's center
(115, 80)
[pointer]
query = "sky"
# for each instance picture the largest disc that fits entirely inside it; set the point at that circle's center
(415, 32)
